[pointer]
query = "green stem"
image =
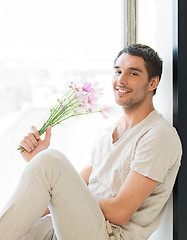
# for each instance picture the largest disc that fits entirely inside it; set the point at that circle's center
(59, 114)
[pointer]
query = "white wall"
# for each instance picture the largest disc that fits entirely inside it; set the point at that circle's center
(154, 28)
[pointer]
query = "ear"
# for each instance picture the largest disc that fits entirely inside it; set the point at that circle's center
(154, 83)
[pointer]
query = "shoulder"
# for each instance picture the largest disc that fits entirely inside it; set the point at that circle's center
(161, 131)
(158, 149)
(155, 126)
(162, 138)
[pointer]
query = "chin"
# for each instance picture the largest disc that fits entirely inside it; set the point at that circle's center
(122, 103)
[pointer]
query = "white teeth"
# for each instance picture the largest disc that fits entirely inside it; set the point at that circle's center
(122, 91)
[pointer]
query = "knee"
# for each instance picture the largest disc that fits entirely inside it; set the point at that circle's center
(48, 159)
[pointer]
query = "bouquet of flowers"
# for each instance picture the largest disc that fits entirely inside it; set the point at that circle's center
(79, 100)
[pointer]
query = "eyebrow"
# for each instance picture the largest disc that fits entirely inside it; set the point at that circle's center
(115, 66)
(131, 68)
(135, 69)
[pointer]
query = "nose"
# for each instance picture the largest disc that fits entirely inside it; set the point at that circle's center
(122, 80)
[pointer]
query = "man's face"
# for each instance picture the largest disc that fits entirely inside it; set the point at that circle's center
(130, 81)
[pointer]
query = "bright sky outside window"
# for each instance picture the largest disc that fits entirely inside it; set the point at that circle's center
(43, 46)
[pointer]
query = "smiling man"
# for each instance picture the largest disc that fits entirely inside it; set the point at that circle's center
(134, 86)
(131, 174)
(136, 162)
(131, 81)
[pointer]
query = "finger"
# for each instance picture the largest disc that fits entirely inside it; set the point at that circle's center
(48, 135)
(28, 142)
(35, 132)
(32, 138)
(20, 147)
(24, 145)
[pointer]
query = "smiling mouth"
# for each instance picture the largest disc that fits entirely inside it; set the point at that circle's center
(120, 90)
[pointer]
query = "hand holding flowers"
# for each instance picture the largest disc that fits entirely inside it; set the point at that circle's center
(77, 101)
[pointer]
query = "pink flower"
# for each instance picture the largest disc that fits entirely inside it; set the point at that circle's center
(98, 91)
(74, 86)
(104, 116)
(83, 99)
(87, 87)
(105, 109)
(92, 99)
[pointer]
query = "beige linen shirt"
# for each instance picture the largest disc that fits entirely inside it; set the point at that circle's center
(151, 148)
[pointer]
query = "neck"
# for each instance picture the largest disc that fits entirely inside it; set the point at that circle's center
(131, 117)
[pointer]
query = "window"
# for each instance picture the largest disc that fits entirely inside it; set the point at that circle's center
(43, 46)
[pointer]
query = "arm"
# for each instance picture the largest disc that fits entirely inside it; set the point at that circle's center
(85, 174)
(135, 189)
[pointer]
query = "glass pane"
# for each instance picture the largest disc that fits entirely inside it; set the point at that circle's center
(45, 45)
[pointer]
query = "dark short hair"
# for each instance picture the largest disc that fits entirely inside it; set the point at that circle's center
(153, 63)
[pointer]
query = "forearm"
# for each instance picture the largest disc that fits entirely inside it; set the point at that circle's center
(134, 191)
(112, 211)
(85, 174)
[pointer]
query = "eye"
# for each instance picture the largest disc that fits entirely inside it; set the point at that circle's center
(133, 74)
(117, 72)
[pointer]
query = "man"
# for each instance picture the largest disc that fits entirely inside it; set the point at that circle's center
(131, 176)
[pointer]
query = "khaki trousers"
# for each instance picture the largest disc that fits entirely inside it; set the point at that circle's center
(50, 180)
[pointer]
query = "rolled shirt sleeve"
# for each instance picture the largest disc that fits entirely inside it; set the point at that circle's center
(157, 151)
